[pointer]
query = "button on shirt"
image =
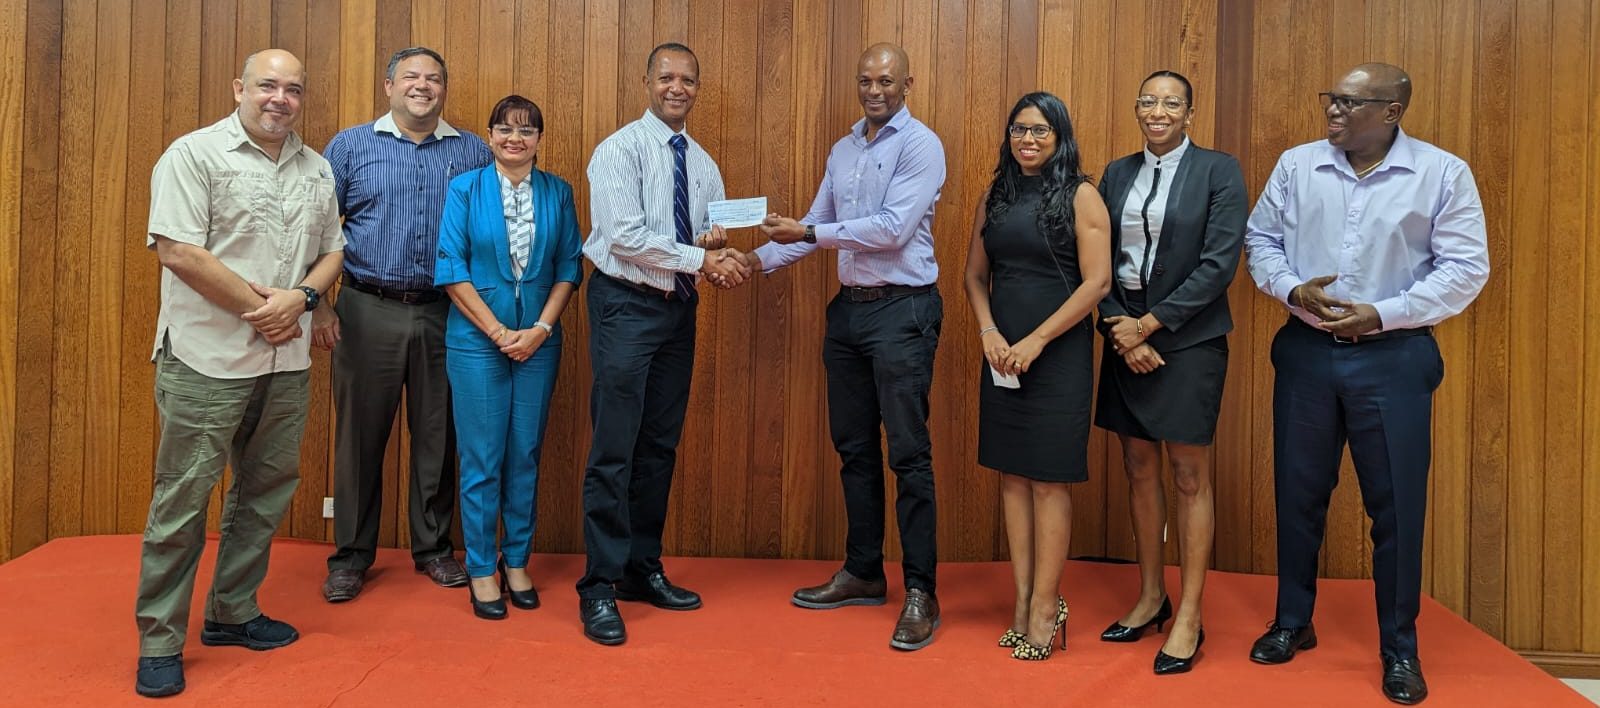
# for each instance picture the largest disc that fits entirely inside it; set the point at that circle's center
(630, 204)
(1408, 238)
(1141, 205)
(391, 193)
(875, 206)
(266, 221)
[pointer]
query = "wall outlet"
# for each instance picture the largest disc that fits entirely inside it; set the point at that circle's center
(327, 507)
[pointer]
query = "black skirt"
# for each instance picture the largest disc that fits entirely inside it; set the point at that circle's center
(1178, 402)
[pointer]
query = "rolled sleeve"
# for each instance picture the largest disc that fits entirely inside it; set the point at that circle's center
(180, 198)
(569, 249)
(451, 265)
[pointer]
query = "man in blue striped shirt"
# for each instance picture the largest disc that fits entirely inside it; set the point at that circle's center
(387, 328)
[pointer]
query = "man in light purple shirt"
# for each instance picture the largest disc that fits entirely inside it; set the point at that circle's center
(875, 206)
(1370, 238)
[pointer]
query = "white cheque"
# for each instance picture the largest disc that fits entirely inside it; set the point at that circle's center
(737, 213)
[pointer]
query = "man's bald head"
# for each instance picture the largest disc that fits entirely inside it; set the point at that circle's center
(281, 61)
(883, 77)
(1386, 80)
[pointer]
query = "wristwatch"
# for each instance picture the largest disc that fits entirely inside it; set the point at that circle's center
(546, 326)
(811, 234)
(312, 297)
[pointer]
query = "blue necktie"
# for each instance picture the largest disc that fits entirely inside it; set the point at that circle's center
(682, 283)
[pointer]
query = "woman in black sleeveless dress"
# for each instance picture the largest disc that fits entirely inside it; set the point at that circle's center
(1039, 261)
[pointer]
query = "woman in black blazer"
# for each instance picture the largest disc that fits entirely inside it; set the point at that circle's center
(1177, 224)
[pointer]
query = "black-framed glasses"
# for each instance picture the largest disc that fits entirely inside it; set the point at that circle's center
(505, 131)
(1039, 132)
(1172, 104)
(1347, 104)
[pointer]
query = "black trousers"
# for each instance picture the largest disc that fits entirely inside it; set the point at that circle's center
(641, 346)
(879, 360)
(387, 348)
(1378, 396)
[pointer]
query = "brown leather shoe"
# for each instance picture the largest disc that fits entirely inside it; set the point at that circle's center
(843, 589)
(445, 571)
(918, 619)
(343, 585)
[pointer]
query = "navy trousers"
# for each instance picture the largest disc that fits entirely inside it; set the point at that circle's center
(1378, 397)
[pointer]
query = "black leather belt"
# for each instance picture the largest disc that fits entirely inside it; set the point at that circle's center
(641, 287)
(854, 294)
(409, 297)
(1364, 338)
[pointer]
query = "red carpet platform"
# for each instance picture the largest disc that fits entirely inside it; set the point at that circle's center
(67, 638)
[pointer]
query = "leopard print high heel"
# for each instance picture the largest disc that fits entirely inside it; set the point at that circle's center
(1011, 638)
(1026, 651)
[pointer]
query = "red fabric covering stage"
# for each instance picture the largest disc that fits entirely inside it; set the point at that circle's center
(67, 638)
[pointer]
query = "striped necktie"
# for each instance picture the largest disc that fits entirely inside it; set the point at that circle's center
(682, 283)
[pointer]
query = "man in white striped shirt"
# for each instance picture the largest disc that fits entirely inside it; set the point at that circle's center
(649, 186)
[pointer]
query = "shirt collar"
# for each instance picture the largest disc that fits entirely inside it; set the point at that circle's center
(897, 121)
(1401, 155)
(659, 130)
(386, 124)
(505, 182)
(1169, 159)
(239, 139)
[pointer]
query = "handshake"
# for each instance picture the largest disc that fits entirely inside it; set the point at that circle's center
(728, 267)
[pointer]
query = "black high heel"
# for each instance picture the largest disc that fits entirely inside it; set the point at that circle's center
(1119, 632)
(1169, 664)
(523, 599)
(491, 609)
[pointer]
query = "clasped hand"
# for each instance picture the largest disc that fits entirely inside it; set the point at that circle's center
(1340, 317)
(1011, 359)
(519, 344)
(277, 319)
(1125, 333)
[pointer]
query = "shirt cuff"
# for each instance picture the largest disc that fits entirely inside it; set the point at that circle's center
(828, 235)
(693, 258)
(1392, 313)
(1285, 285)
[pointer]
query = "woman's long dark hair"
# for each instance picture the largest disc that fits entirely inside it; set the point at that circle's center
(1061, 172)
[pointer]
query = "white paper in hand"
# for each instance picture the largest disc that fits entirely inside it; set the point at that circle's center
(737, 213)
(1005, 380)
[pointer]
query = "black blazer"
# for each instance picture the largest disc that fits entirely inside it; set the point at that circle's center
(1198, 252)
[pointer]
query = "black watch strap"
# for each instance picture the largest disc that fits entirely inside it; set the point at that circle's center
(811, 234)
(312, 297)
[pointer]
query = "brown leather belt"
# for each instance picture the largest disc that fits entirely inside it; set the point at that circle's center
(408, 297)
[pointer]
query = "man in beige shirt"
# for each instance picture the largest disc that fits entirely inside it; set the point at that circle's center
(243, 219)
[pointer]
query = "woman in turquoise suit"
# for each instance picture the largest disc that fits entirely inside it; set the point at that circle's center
(509, 260)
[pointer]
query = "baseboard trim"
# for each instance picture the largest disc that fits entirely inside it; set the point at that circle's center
(1565, 664)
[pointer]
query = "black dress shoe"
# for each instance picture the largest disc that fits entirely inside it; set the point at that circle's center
(1119, 632)
(1279, 644)
(522, 599)
(601, 621)
(1169, 664)
(1402, 680)
(657, 590)
(491, 609)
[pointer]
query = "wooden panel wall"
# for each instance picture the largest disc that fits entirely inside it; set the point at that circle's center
(1515, 507)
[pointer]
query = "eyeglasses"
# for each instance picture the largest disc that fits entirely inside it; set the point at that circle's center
(1039, 132)
(505, 131)
(1348, 104)
(1172, 104)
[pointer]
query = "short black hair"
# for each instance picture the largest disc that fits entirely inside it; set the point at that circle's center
(515, 105)
(1188, 90)
(409, 52)
(650, 63)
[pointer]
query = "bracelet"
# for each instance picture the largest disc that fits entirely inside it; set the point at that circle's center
(499, 334)
(987, 330)
(1138, 327)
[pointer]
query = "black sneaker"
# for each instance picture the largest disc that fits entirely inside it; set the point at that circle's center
(160, 676)
(260, 634)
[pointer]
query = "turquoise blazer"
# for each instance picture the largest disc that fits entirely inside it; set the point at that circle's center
(474, 247)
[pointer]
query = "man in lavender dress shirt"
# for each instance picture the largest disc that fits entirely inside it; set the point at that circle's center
(1370, 238)
(875, 206)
